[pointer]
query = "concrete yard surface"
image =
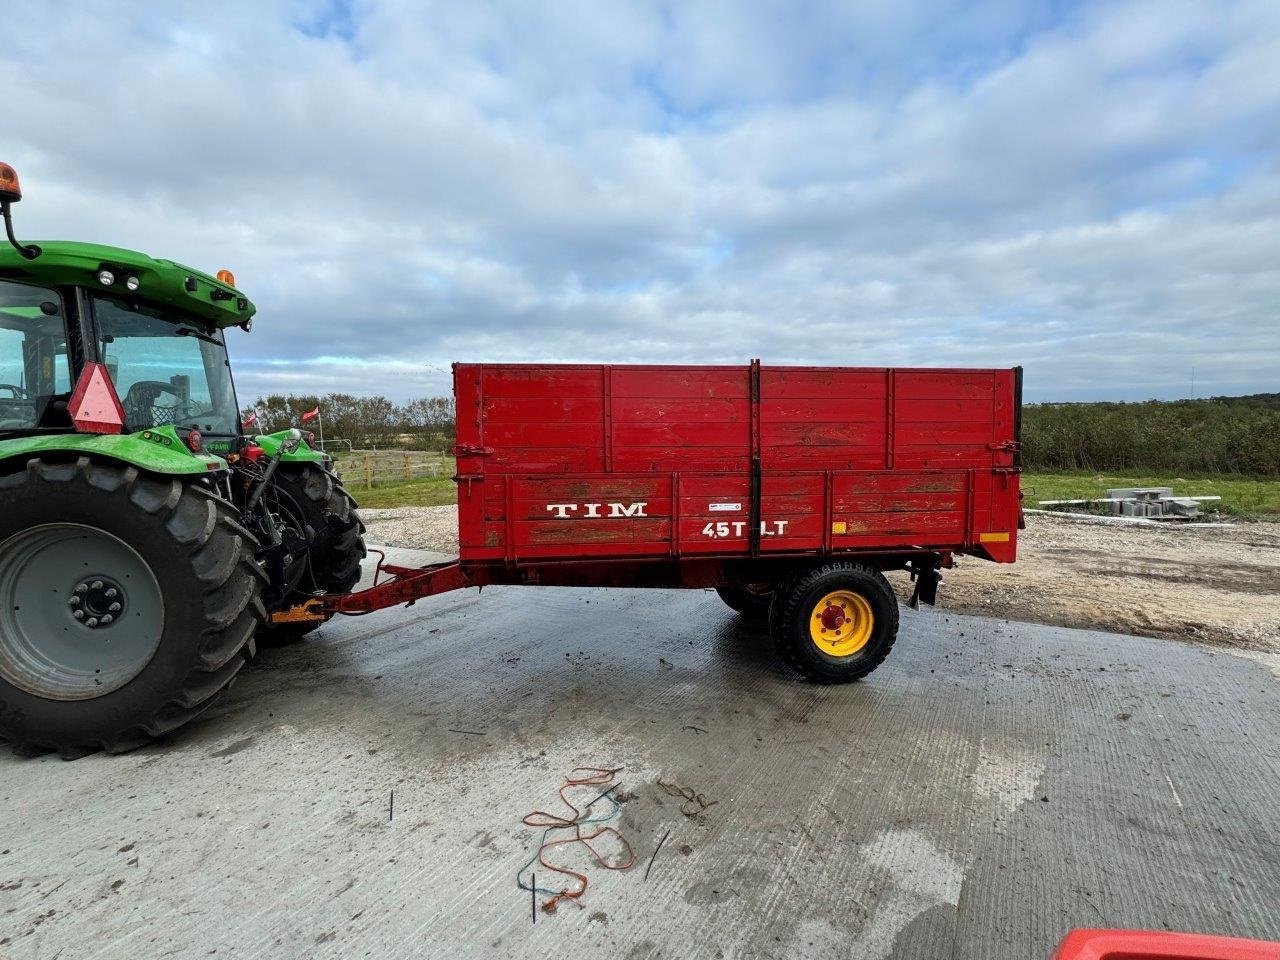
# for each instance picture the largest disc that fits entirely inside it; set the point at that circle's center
(992, 786)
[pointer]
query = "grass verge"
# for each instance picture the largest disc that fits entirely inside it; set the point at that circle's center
(425, 492)
(1241, 496)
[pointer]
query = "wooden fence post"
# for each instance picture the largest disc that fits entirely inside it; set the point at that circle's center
(408, 475)
(368, 472)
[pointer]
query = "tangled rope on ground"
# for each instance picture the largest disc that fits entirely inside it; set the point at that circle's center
(694, 803)
(604, 778)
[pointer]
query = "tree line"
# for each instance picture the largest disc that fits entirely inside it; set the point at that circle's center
(1217, 435)
(423, 424)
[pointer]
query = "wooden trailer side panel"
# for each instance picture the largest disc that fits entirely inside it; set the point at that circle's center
(583, 462)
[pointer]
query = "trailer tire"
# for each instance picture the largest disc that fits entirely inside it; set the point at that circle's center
(836, 623)
(172, 563)
(316, 500)
(748, 599)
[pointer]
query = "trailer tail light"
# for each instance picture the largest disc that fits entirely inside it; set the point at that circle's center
(195, 441)
(94, 406)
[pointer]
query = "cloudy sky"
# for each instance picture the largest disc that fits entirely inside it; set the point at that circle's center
(1088, 189)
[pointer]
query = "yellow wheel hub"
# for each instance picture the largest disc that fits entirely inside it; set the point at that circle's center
(841, 623)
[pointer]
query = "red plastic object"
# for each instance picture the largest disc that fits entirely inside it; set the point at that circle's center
(1147, 945)
(94, 406)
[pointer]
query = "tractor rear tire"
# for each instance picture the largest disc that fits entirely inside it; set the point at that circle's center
(748, 599)
(164, 577)
(835, 623)
(314, 498)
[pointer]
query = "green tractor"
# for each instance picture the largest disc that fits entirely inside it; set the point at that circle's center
(145, 538)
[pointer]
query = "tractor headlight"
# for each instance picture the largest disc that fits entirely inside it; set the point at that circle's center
(106, 277)
(131, 283)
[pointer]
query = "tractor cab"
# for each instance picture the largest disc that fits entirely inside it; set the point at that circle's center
(167, 367)
(150, 331)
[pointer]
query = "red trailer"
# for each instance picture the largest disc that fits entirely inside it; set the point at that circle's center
(789, 489)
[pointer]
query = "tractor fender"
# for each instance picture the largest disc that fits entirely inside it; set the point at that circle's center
(270, 444)
(159, 451)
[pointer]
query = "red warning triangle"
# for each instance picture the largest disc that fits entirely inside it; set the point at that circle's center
(94, 406)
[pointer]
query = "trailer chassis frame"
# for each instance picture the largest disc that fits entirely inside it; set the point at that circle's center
(395, 585)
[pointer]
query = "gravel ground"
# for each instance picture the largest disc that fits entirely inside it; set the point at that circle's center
(419, 528)
(1217, 586)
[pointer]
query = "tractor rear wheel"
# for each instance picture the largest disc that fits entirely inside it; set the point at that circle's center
(128, 602)
(749, 599)
(835, 623)
(314, 502)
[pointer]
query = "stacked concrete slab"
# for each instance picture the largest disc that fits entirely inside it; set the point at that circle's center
(1154, 503)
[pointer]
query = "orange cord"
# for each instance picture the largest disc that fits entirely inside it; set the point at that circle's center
(578, 777)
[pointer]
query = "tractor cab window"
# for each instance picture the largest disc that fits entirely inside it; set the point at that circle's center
(166, 368)
(33, 358)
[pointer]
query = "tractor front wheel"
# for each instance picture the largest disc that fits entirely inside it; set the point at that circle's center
(128, 602)
(315, 504)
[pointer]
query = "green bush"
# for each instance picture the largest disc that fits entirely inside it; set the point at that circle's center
(1239, 435)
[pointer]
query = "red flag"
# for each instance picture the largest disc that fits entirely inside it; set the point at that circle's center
(250, 420)
(311, 415)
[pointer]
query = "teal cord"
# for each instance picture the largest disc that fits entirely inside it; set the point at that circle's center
(615, 809)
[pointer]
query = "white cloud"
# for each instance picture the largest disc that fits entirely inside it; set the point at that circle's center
(1094, 195)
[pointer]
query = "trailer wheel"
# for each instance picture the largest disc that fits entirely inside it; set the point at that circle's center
(128, 602)
(836, 623)
(749, 599)
(316, 504)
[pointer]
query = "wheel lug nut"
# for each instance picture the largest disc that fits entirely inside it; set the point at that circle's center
(81, 588)
(74, 602)
(112, 592)
(106, 618)
(96, 585)
(115, 608)
(91, 622)
(79, 614)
